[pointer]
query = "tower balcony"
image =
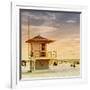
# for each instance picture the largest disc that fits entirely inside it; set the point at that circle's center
(44, 55)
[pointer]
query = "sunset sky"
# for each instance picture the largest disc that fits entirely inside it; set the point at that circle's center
(63, 27)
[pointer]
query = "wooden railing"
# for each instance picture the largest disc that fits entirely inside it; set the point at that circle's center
(49, 54)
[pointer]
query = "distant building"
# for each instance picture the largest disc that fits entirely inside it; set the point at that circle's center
(38, 57)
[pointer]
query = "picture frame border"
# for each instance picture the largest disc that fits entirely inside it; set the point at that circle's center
(15, 43)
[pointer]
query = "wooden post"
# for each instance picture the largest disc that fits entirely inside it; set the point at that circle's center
(34, 65)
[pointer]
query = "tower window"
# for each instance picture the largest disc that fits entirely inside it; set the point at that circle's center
(43, 46)
(31, 54)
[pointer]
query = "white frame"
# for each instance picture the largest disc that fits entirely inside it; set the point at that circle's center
(15, 6)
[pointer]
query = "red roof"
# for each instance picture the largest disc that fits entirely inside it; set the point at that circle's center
(39, 39)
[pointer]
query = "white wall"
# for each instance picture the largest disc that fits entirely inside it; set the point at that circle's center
(5, 46)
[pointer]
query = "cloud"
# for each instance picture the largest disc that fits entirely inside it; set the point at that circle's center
(47, 18)
(71, 21)
(42, 29)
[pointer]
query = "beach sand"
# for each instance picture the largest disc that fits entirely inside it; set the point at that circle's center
(60, 71)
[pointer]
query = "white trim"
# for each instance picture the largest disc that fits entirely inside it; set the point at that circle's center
(13, 46)
(15, 82)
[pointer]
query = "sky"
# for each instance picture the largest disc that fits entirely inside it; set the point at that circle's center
(63, 27)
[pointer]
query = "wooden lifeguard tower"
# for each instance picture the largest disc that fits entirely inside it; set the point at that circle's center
(38, 57)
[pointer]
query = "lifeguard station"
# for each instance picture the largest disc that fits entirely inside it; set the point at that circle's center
(39, 59)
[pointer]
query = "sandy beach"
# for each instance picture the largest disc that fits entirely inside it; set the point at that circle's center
(60, 71)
